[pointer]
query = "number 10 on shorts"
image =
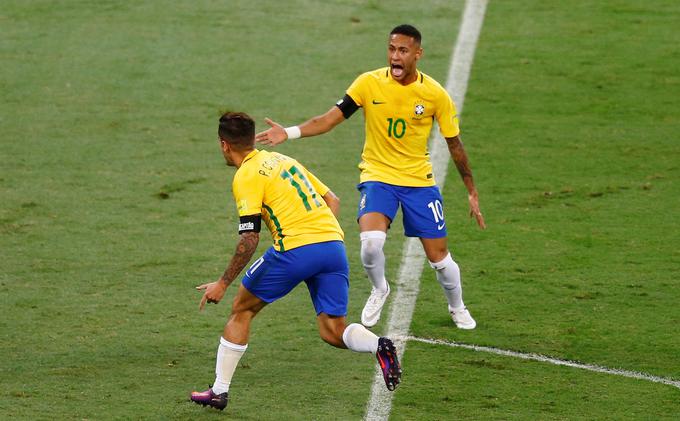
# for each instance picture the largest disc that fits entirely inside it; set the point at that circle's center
(437, 212)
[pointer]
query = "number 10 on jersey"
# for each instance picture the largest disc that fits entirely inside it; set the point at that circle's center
(396, 128)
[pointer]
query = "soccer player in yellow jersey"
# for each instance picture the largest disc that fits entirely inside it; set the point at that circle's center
(400, 104)
(299, 211)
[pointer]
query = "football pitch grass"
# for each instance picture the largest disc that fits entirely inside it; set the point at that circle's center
(115, 203)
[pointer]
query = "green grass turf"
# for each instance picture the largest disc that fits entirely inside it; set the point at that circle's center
(572, 126)
(115, 202)
(458, 384)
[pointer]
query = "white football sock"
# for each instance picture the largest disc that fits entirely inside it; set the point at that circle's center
(228, 356)
(359, 339)
(448, 275)
(373, 258)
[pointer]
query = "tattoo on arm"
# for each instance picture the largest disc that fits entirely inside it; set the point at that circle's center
(247, 244)
(461, 160)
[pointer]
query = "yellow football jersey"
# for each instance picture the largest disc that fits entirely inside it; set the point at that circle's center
(398, 123)
(288, 197)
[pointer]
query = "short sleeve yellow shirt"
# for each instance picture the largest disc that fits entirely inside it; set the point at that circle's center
(288, 197)
(398, 123)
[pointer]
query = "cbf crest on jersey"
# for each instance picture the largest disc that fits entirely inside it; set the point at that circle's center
(418, 110)
(242, 205)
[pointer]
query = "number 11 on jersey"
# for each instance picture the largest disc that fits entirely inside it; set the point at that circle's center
(310, 189)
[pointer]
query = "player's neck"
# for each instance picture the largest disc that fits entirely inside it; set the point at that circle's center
(239, 156)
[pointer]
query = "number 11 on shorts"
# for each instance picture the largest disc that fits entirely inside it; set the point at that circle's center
(256, 264)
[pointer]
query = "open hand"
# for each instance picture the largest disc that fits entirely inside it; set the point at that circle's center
(273, 136)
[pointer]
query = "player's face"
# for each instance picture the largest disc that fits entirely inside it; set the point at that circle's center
(226, 152)
(402, 54)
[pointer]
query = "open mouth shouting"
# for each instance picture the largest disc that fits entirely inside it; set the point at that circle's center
(397, 70)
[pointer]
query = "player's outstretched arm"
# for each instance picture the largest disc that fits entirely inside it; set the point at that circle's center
(214, 291)
(320, 124)
(462, 164)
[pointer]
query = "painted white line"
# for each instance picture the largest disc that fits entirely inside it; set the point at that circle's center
(408, 279)
(550, 360)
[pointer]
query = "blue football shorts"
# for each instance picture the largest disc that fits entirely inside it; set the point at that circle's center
(422, 207)
(322, 266)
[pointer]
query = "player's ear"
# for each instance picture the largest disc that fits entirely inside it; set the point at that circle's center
(224, 145)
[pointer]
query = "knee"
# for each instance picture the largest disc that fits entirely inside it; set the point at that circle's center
(438, 254)
(369, 251)
(240, 316)
(332, 335)
(333, 340)
(372, 246)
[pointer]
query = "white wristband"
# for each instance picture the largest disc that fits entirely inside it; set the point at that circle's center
(293, 132)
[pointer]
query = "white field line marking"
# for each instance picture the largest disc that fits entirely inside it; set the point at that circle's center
(545, 359)
(408, 279)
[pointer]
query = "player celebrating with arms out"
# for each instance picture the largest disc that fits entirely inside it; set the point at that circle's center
(400, 104)
(300, 212)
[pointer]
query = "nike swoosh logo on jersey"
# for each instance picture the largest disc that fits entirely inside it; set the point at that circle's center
(441, 227)
(378, 102)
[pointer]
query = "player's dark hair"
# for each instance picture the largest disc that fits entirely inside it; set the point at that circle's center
(409, 31)
(237, 129)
